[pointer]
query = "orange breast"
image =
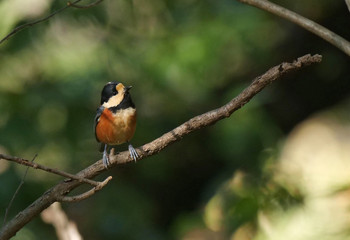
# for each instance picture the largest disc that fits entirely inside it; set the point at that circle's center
(116, 128)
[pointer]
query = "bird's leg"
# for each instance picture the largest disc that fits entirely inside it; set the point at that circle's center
(105, 158)
(133, 153)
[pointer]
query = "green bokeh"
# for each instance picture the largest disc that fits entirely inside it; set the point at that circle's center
(182, 58)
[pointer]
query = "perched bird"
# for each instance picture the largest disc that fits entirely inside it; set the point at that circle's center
(115, 120)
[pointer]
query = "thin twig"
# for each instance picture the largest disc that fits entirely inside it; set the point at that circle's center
(85, 195)
(47, 169)
(21, 27)
(149, 149)
(309, 25)
(84, 6)
(17, 190)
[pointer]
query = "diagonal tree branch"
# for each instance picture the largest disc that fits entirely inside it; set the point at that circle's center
(58, 192)
(309, 25)
(85, 6)
(348, 4)
(65, 228)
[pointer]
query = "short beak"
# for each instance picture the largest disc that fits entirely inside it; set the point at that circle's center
(126, 89)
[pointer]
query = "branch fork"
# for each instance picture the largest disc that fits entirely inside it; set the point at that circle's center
(80, 197)
(97, 186)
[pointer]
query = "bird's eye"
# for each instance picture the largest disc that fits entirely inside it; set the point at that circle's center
(115, 91)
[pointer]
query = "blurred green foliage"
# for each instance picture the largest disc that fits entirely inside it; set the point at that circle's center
(183, 58)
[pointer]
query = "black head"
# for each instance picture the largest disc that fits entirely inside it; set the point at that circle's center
(108, 91)
(115, 94)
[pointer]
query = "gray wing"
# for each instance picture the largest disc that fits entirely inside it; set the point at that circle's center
(97, 118)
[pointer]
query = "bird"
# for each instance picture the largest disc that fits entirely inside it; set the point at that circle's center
(115, 120)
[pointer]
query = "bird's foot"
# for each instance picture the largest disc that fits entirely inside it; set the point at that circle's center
(105, 158)
(133, 153)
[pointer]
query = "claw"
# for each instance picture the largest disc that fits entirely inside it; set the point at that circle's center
(105, 158)
(133, 153)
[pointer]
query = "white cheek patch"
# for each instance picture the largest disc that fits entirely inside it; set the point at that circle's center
(114, 101)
